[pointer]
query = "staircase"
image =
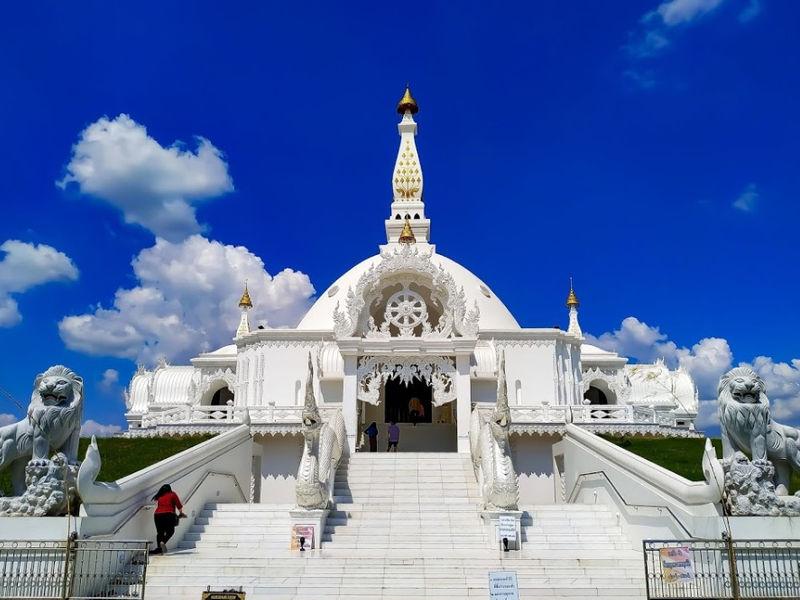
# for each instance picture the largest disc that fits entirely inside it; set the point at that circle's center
(407, 526)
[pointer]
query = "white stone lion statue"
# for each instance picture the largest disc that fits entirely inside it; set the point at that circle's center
(746, 426)
(52, 425)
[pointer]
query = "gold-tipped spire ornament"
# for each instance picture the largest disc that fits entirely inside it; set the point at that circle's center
(245, 301)
(407, 236)
(572, 299)
(407, 103)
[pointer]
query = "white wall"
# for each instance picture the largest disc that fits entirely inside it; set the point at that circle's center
(280, 459)
(533, 461)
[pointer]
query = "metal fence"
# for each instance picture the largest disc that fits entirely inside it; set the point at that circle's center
(722, 569)
(77, 569)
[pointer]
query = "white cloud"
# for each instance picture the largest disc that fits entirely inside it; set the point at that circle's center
(25, 266)
(186, 302)
(678, 12)
(7, 419)
(783, 386)
(706, 361)
(748, 199)
(750, 12)
(652, 36)
(154, 186)
(90, 428)
(110, 380)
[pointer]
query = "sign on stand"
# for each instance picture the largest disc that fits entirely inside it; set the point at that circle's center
(503, 585)
(507, 528)
(302, 531)
(226, 595)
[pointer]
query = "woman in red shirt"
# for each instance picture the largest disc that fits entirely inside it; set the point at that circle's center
(166, 520)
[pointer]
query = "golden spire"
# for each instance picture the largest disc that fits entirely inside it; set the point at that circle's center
(407, 103)
(245, 301)
(407, 236)
(572, 299)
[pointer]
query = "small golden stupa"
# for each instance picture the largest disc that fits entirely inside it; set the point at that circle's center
(407, 103)
(407, 236)
(245, 301)
(572, 299)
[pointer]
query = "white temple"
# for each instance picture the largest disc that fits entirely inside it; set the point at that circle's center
(408, 323)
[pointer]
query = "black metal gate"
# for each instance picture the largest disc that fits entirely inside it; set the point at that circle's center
(75, 569)
(724, 569)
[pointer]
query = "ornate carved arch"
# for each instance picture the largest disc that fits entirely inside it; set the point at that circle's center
(411, 261)
(615, 380)
(437, 371)
(208, 380)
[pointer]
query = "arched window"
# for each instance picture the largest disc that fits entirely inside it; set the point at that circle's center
(221, 397)
(599, 392)
(518, 391)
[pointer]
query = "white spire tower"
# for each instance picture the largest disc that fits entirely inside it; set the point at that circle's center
(573, 304)
(245, 304)
(407, 178)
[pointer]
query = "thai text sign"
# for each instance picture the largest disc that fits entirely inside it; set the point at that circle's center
(676, 564)
(304, 531)
(223, 595)
(503, 585)
(507, 527)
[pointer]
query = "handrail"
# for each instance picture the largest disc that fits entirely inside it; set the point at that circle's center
(186, 500)
(581, 476)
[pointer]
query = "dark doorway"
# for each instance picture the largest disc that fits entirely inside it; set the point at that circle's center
(595, 396)
(221, 397)
(398, 401)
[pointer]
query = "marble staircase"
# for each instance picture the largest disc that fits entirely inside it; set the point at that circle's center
(405, 525)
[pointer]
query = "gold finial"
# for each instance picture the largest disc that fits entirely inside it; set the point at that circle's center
(407, 236)
(407, 103)
(572, 299)
(245, 301)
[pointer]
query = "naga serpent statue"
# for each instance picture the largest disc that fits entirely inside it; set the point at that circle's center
(746, 426)
(491, 450)
(322, 450)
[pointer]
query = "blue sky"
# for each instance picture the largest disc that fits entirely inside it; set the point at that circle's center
(649, 149)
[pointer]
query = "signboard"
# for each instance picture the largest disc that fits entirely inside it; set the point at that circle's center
(503, 585)
(676, 564)
(298, 531)
(231, 595)
(507, 528)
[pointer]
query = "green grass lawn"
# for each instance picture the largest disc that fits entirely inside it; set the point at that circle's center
(680, 455)
(123, 456)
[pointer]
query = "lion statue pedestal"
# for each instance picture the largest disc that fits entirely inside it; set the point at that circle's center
(759, 485)
(41, 450)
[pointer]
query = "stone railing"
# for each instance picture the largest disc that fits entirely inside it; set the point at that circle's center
(610, 418)
(183, 419)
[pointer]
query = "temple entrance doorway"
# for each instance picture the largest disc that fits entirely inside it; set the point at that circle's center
(423, 426)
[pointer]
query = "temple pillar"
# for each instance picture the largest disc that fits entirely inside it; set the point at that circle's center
(350, 399)
(463, 400)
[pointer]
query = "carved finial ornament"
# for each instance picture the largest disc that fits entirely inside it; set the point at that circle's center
(407, 235)
(407, 103)
(572, 299)
(245, 301)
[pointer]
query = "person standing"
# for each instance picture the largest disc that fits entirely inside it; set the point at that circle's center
(394, 436)
(165, 517)
(372, 434)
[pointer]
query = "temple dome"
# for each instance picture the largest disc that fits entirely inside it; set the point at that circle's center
(493, 313)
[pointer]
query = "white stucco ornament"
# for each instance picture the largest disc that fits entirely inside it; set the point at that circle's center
(746, 425)
(456, 319)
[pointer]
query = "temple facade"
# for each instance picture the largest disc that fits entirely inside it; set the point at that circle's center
(412, 337)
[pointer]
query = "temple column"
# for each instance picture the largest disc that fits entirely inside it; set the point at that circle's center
(349, 399)
(464, 401)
